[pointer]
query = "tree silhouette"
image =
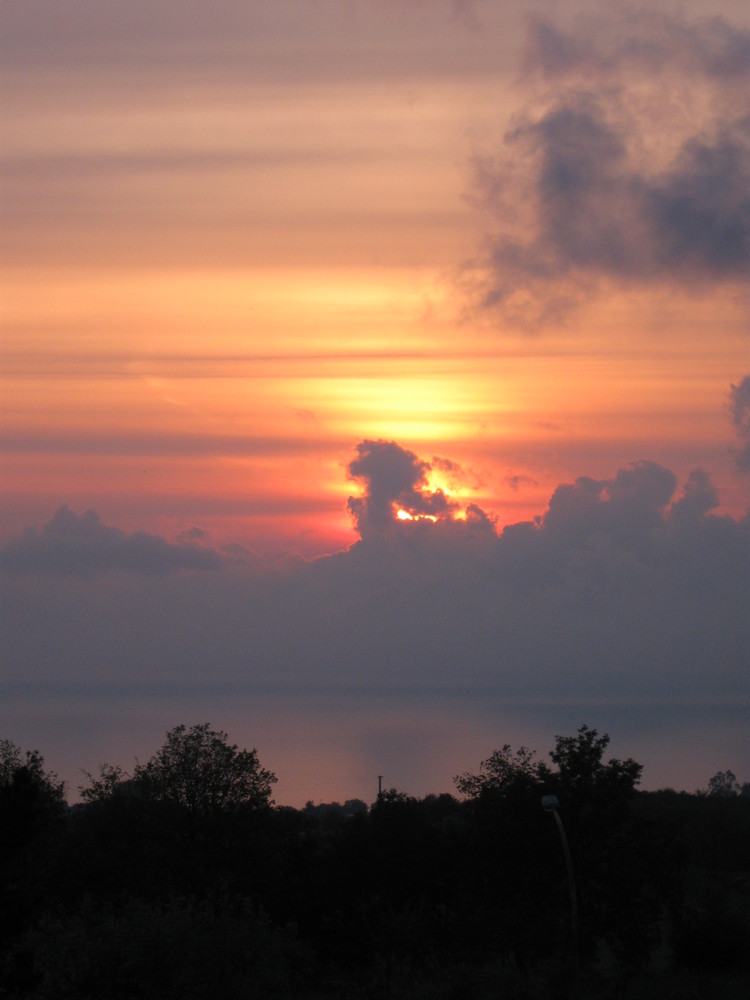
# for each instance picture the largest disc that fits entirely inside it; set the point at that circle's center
(30, 797)
(32, 819)
(199, 770)
(724, 784)
(196, 769)
(582, 773)
(504, 774)
(181, 878)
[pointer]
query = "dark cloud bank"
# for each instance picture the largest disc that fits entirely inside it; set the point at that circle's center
(624, 587)
(80, 545)
(625, 605)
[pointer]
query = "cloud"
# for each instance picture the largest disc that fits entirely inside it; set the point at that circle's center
(641, 39)
(739, 408)
(629, 506)
(517, 479)
(81, 545)
(328, 42)
(626, 591)
(622, 586)
(698, 498)
(598, 216)
(630, 536)
(394, 478)
(155, 443)
(608, 197)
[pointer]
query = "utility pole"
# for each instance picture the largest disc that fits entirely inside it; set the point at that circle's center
(380, 785)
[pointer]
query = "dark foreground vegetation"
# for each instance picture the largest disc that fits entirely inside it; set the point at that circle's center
(182, 880)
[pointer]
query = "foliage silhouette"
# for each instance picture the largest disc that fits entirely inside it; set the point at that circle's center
(32, 820)
(177, 881)
(196, 769)
(725, 784)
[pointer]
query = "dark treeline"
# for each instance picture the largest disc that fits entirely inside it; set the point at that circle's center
(183, 880)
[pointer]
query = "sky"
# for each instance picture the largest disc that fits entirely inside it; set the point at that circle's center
(375, 383)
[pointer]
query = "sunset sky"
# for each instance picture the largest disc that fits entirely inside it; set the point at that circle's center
(376, 383)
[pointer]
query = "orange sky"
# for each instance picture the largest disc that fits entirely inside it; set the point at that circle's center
(218, 277)
(232, 400)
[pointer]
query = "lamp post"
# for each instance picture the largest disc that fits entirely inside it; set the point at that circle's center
(551, 805)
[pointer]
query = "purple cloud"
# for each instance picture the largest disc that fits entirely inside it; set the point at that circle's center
(637, 39)
(394, 478)
(739, 408)
(598, 216)
(626, 592)
(601, 203)
(73, 544)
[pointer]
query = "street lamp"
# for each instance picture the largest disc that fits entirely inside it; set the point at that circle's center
(551, 805)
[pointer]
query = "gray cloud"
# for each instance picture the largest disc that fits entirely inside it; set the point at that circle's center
(625, 592)
(619, 589)
(81, 545)
(157, 443)
(699, 497)
(606, 197)
(597, 215)
(698, 213)
(243, 43)
(628, 536)
(739, 408)
(629, 506)
(516, 480)
(638, 38)
(393, 478)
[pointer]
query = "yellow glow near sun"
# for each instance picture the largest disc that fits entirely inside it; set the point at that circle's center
(404, 515)
(453, 488)
(436, 481)
(437, 484)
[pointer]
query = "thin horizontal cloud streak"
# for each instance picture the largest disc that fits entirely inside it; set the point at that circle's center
(177, 444)
(261, 42)
(58, 167)
(190, 365)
